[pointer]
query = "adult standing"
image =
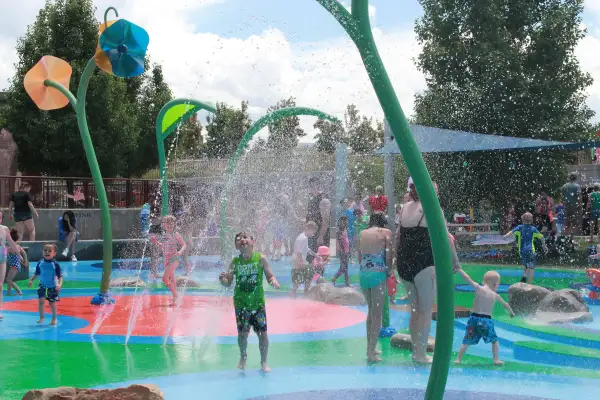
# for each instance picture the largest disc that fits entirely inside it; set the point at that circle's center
(571, 196)
(375, 254)
(416, 269)
(378, 202)
(21, 210)
(319, 212)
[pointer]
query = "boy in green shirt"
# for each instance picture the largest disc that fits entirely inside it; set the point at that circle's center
(249, 296)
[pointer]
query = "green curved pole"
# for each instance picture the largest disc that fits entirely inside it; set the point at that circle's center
(79, 108)
(357, 25)
(254, 129)
(162, 134)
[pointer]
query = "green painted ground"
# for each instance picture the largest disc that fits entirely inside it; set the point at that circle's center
(561, 349)
(37, 364)
(50, 364)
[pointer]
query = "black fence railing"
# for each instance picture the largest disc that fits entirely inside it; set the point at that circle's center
(67, 192)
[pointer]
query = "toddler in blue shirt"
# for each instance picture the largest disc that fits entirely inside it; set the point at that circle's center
(51, 280)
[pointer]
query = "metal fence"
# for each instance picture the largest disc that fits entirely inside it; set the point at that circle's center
(59, 192)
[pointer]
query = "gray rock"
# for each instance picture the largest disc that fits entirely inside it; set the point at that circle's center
(133, 392)
(563, 301)
(549, 318)
(184, 281)
(524, 298)
(344, 296)
(403, 341)
(127, 282)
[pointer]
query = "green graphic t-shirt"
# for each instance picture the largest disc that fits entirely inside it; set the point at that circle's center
(249, 292)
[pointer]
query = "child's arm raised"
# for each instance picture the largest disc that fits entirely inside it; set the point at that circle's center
(509, 234)
(505, 305)
(268, 272)
(470, 281)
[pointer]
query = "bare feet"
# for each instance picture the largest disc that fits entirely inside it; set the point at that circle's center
(242, 363)
(498, 363)
(374, 359)
(264, 367)
(427, 359)
(457, 362)
(377, 353)
(41, 321)
(53, 321)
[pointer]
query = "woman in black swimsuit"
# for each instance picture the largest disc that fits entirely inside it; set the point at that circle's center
(415, 268)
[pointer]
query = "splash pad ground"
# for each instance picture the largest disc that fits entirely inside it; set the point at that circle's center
(316, 352)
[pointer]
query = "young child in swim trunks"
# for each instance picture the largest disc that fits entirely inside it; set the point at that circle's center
(16, 260)
(51, 280)
(169, 243)
(480, 324)
(526, 233)
(301, 272)
(249, 296)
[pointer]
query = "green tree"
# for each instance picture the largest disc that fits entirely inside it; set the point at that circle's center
(225, 129)
(360, 135)
(153, 94)
(190, 140)
(284, 133)
(505, 68)
(49, 142)
(329, 134)
(356, 131)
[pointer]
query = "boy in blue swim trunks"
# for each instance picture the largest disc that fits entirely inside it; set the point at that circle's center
(51, 280)
(526, 233)
(480, 324)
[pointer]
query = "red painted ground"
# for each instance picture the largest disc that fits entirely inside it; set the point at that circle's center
(199, 315)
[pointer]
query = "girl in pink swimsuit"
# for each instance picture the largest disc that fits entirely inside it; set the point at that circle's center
(173, 246)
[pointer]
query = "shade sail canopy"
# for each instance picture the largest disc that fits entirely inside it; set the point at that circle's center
(436, 140)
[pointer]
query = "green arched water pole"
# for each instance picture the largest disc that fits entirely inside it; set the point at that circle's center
(254, 129)
(78, 105)
(169, 118)
(357, 25)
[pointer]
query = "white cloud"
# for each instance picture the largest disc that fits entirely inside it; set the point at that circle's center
(264, 68)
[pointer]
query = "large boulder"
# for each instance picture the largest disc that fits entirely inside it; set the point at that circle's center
(524, 298)
(403, 341)
(563, 301)
(133, 392)
(327, 293)
(128, 282)
(184, 281)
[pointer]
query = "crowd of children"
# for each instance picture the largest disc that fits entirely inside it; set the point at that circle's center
(248, 268)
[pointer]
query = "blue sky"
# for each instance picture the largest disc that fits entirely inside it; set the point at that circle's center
(300, 20)
(266, 50)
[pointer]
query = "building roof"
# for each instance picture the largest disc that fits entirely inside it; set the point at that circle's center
(436, 140)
